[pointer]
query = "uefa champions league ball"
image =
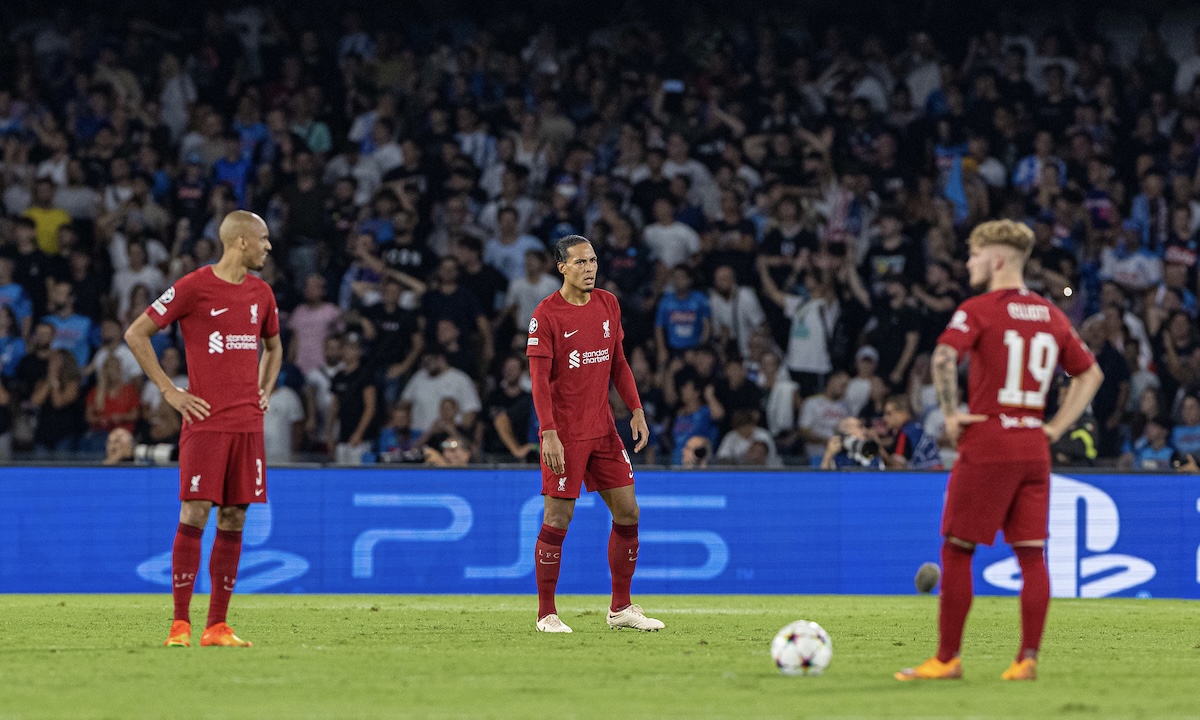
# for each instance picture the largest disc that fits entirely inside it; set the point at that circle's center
(802, 648)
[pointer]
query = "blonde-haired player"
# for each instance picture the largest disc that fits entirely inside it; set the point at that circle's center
(1016, 340)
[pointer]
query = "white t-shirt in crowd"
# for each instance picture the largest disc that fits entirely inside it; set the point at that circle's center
(821, 415)
(425, 392)
(283, 413)
(672, 244)
(808, 339)
(526, 296)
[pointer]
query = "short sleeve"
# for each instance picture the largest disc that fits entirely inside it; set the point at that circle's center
(270, 320)
(1076, 357)
(541, 338)
(963, 330)
(174, 304)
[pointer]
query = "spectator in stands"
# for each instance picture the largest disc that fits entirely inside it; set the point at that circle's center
(46, 217)
(446, 299)
(852, 445)
(447, 450)
(897, 334)
(434, 381)
(813, 316)
(138, 272)
(15, 299)
(683, 320)
(72, 331)
(311, 323)
(12, 346)
(397, 439)
(911, 448)
(113, 403)
(736, 446)
(820, 415)
(318, 394)
(59, 400)
(696, 415)
(858, 389)
(395, 336)
(283, 425)
(1153, 450)
(353, 407)
(736, 312)
(527, 291)
(671, 242)
(697, 452)
(1185, 437)
(163, 422)
(506, 251)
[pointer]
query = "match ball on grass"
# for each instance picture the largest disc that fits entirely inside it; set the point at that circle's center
(802, 648)
(927, 577)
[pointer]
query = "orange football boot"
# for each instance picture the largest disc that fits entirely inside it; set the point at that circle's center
(180, 635)
(221, 635)
(1025, 669)
(933, 669)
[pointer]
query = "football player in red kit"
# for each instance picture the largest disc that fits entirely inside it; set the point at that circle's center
(1015, 341)
(222, 312)
(574, 350)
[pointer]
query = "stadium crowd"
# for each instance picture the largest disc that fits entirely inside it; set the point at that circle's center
(781, 211)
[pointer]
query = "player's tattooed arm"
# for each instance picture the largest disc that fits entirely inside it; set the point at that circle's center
(945, 378)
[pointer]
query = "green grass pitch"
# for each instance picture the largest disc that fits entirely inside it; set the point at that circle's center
(84, 656)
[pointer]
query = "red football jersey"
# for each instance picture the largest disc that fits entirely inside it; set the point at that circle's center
(1015, 340)
(221, 325)
(581, 340)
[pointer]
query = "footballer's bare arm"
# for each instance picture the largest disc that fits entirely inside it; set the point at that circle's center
(137, 337)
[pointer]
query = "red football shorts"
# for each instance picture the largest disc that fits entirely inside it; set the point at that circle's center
(983, 497)
(225, 468)
(598, 463)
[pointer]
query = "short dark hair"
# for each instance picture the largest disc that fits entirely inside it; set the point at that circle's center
(562, 247)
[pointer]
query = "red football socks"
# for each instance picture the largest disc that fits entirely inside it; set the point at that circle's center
(185, 562)
(222, 570)
(548, 559)
(622, 559)
(955, 600)
(1035, 599)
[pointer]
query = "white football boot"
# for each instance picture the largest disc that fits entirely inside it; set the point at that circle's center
(633, 617)
(551, 624)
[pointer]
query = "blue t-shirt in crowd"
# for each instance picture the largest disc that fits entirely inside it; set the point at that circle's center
(251, 136)
(1146, 457)
(918, 448)
(510, 259)
(682, 320)
(1186, 439)
(76, 333)
(690, 425)
(235, 174)
(12, 349)
(16, 299)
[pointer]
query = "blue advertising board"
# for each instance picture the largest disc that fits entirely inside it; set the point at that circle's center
(473, 531)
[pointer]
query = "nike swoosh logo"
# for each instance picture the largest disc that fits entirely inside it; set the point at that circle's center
(548, 563)
(258, 492)
(214, 312)
(182, 584)
(228, 588)
(566, 335)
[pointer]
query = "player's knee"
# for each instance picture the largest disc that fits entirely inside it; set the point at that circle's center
(231, 518)
(194, 513)
(627, 515)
